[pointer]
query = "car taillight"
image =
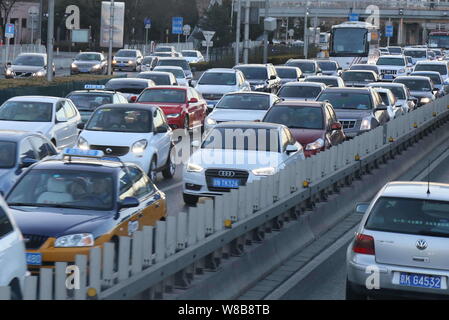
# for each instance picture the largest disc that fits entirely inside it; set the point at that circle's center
(363, 244)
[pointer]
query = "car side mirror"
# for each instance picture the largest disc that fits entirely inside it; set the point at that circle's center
(161, 129)
(291, 148)
(382, 107)
(272, 77)
(361, 207)
(128, 202)
(8, 64)
(336, 126)
(193, 83)
(133, 99)
(61, 119)
(409, 65)
(81, 125)
(193, 100)
(27, 162)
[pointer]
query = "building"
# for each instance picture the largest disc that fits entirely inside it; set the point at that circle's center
(20, 17)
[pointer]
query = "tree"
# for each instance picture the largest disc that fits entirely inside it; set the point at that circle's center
(218, 19)
(6, 7)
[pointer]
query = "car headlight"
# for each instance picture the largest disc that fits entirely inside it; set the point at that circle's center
(83, 144)
(366, 124)
(96, 67)
(424, 100)
(114, 61)
(75, 240)
(268, 171)
(173, 115)
(40, 73)
(318, 144)
(139, 146)
(8, 72)
(130, 62)
(401, 70)
(74, 66)
(191, 167)
(210, 121)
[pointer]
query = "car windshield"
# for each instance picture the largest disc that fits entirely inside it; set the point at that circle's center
(415, 53)
(416, 85)
(244, 101)
(89, 101)
(163, 49)
(64, 189)
(395, 50)
(307, 67)
(254, 139)
(347, 100)
(296, 117)
(436, 79)
(162, 54)
(397, 91)
(126, 86)
(369, 67)
(439, 41)
(285, 73)
(306, 92)
(175, 63)
(442, 69)
(178, 73)
(126, 53)
(120, 120)
(163, 95)
(385, 61)
(88, 57)
(218, 78)
(410, 216)
(159, 79)
(7, 154)
(254, 73)
(25, 60)
(189, 54)
(327, 65)
(358, 76)
(349, 40)
(147, 60)
(326, 81)
(29, 111)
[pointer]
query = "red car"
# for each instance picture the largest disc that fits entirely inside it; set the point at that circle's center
(183, 106)
(313, 124)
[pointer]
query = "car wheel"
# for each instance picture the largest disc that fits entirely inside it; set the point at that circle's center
(352, 294)
(189, 199)
(152, 170)
(170, 167)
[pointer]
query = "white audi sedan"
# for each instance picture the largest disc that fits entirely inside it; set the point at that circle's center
(55, 118)
(236, 153)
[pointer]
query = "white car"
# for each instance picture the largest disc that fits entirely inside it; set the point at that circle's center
(417, 54)
(214, 83)
(178, 72)
(192, 56)
(392, 66)
(135, 133)
(388, 98)
(13, 261)
(241, 106)
(55, 118)
(440, 66)
(401, 93)
(301, 91)
(236, 153)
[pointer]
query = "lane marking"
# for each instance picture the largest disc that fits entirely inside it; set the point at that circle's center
(173, 186)
(435, 163)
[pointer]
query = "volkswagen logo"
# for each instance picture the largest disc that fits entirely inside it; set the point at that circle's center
(421, 244)
(108, 150)
(227, 174)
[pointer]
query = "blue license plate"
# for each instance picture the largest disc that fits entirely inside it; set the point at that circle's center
(225, 183)
(420, 280)
(388, 76)
(34, 259)
(122, 64)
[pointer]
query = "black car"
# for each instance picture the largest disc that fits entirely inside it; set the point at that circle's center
(129, 87)
(261, 77)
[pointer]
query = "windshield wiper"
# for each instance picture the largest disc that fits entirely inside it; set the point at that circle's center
(52, 205)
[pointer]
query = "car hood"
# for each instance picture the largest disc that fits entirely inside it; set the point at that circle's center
(215, 89)
(237, 115)
(42, 127)
(306, 136)
(421, 94)
(56, 222)
(235, 159)
(352, 113)
(107, 138)
(17, 68)
(87, 63)
(7, 179)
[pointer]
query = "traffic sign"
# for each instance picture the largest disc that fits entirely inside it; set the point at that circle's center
(389, 30)
(208, 35)
(354, 17)
(33, 11)
(205, 43)
(186, 29)
(147, 23)
(9, 30)
(177, 24)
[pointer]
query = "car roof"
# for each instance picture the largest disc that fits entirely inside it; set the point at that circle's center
(33, 54)
(92, 91)
(382, 89)
(171, 58)
(324, 77)
(168, 67)
(252, 65)
(397, 56)
(415, 48)
(432, 62)
(135, 80)
(227, 70)
(86, 164)
(412, 78)
(89, 52)
(286, 67)
(249, 125)
(250, 92)
(168, 87)
(425, 72)
(417, 190)
(348, 90)
(301, 60)
(16, 135)
(301, 103)
(130, 106)
(304, 83)
(164, 73)
(36, 98)
(387, 84)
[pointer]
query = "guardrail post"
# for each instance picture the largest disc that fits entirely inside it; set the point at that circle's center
(209, 212)
(233, 197)
(241, 205)
(109, 252)
(256, 195)
(218, 214)
(171, 236)
(201, 229)
(182, 231)
(81, 263)
(5, 293)
(123, 258)
(137, 253)
(148, 246)
(160, 240)
(60, 278)
(95, 269)
(30, 288)
(192, 224)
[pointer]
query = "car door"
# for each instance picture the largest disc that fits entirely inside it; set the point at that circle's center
(201, 106)
(73, 118)
(129, 217)
(9, 243)
(336, 136)
(27, 151)
(286, 140)
(162, 140)
(62, 132)
(43, 147)
(194, 107)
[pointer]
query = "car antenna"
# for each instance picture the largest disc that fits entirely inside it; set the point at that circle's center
(428, 178)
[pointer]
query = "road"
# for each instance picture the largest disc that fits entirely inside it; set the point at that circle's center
(328, 280)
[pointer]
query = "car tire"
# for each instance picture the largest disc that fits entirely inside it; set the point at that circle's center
(352, 294)
(189, 199)
(152, 174)
(170, 168)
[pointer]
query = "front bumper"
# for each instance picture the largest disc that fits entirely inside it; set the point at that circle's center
(85, 71)
(124, 66)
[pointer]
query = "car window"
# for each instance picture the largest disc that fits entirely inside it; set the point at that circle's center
(142, 184)
(158, 120)
(26, 150)
(5, 224)
(285, 140)
(69, 111)
(125, 185)
(42, 147)
(60, 112)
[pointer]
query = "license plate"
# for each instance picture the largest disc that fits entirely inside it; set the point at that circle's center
(420, 280)
(34, 259)
(388, 76)
(226, 183)
(122, 64)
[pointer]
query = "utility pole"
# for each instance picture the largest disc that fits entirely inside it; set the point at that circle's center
(237, 33)
(39, 26)
(50, 31)
(388, 38)
(246, 40)
(111, 37)
(265, 35)
(306, 36)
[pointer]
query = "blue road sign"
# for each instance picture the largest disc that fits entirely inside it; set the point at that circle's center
(354, 17)
(9, 30)
(177, 24)
(389, 31)
(147, 23)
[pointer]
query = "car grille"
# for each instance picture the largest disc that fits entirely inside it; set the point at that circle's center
(23, 74)
(213, 173)
(388, 71)
(210, 96)
(84, 66)
(111, 150)
(348, 124)
(34, 241)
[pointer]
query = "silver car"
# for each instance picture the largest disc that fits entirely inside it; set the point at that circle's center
(127, 59)
(400, 247)
(28, 65)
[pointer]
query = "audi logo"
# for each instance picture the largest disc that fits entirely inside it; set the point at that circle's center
(421, 244)
(108, 150)
(227, 174)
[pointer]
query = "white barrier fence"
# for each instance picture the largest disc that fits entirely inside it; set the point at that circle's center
(157, 259)
(7, 54)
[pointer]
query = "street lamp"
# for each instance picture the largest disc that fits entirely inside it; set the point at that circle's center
(306, 41)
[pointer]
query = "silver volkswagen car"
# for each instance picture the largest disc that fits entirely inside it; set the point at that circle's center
(401, 246)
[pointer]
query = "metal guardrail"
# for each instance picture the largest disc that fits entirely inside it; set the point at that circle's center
(409, 4)
(158, 259)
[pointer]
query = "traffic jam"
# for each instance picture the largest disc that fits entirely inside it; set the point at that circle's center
(82, 170)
